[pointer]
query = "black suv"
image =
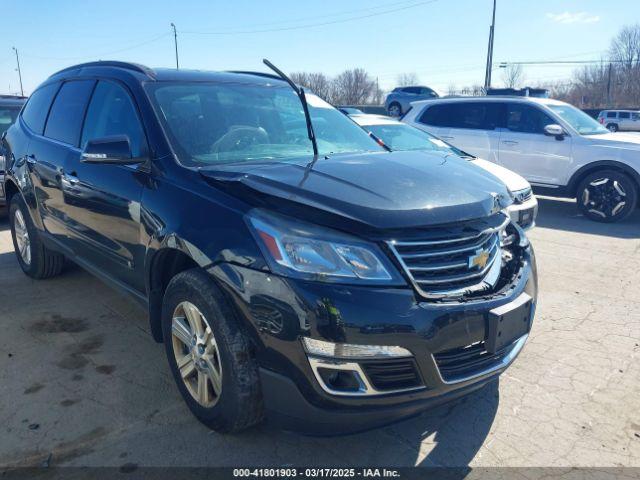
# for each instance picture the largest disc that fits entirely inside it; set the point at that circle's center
(289, 264)
(10, 106)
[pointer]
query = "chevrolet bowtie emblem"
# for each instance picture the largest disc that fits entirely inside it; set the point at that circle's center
(479, 259)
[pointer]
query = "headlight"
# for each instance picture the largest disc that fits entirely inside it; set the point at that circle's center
(521, 196)
(302, 250)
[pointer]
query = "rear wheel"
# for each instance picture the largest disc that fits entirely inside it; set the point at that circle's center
(612, 127)
(395, 110)
(607, 196)
(36, 260)
(209, 354)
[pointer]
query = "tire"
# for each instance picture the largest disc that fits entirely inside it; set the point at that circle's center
(395, 110)
(36, 260)
(237, 403)
(607, 196)
(612, 127)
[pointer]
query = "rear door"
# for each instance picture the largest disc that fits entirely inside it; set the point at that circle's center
(635, 121)
(103, 204)
(624, 121)
(470, 126)
(525, 149)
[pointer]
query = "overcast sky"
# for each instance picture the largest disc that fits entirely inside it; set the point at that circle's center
(443, 41)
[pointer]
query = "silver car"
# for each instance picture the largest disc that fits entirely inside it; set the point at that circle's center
(399, 100)
(620, 120)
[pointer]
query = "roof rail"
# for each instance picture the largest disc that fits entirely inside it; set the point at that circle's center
(111, 63)
(258, 74)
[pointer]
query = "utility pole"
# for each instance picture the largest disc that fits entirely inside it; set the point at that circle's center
(487, 77)
(19, 72)
(609, 86)
(175, 42)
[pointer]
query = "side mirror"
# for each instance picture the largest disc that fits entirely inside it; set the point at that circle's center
(554, 130)
(115, 149)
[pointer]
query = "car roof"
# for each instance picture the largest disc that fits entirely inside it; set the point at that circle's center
(12, 100)
(370, 119)
(144, 73)
(489, 98)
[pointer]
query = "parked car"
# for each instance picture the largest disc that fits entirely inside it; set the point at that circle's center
(10, 106)
(399, 100)
(288, 262)
(403, 137)
(559, 149)
(620, 120)
(350, 110)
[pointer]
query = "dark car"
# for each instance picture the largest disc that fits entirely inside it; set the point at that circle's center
(290, 267)
(10, 106)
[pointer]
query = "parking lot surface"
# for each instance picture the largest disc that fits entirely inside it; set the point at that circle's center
(83, 383)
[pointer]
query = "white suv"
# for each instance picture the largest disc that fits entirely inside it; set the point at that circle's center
(559, 149)
(620, 120)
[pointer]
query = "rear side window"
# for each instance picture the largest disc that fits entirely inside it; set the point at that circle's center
(412, 90)
(624, 115)
(470, 115)
(67, 112)
(111, 112)
(611, 114)
(526, 119)
(35, 112)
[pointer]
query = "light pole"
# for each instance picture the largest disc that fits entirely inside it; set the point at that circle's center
(487, 77)
(19, 72)
(175, 42)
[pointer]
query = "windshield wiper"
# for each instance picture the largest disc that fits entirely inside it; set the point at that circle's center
(303, 99)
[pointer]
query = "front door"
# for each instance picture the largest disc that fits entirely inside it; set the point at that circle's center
(104, 203)
(525, 149)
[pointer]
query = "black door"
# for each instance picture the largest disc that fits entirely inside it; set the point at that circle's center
(103, 201)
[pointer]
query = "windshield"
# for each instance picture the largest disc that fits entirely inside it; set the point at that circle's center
(213, 123)
(8, 116)
(405, 137)
(580, 121)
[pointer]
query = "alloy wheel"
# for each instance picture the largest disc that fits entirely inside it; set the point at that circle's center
(22, 237)
(394, 111)
(604, 197)
(197, 354)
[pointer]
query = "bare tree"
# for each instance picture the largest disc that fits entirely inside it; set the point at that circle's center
(407, 79)
(353, 87)
(625, 47)
(315, 82)
(512, 76)
(451, 89)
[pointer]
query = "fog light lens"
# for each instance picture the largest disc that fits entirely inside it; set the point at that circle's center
(341, 380)
(346, 350)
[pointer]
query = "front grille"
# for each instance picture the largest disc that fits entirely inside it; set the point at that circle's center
(397, 374)
(450, 264)
(467, 361)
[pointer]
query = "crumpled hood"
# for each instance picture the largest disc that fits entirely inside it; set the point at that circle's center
(511, 179)
(382, 190)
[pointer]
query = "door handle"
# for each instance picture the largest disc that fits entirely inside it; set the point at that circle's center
(510, 142)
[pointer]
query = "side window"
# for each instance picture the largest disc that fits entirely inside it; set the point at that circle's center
(624, 115)
(67, 112)
(411, 90)
(611, 114)
(111, 112)
(526, 119)
(635, 116)
(35, 112)
(470, 115)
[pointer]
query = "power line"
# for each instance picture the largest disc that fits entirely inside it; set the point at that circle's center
(329, 15)
(104, 54)
(311, 25)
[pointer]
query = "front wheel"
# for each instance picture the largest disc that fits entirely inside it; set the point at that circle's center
(209, 354)
(607, 196)
(395, 110)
